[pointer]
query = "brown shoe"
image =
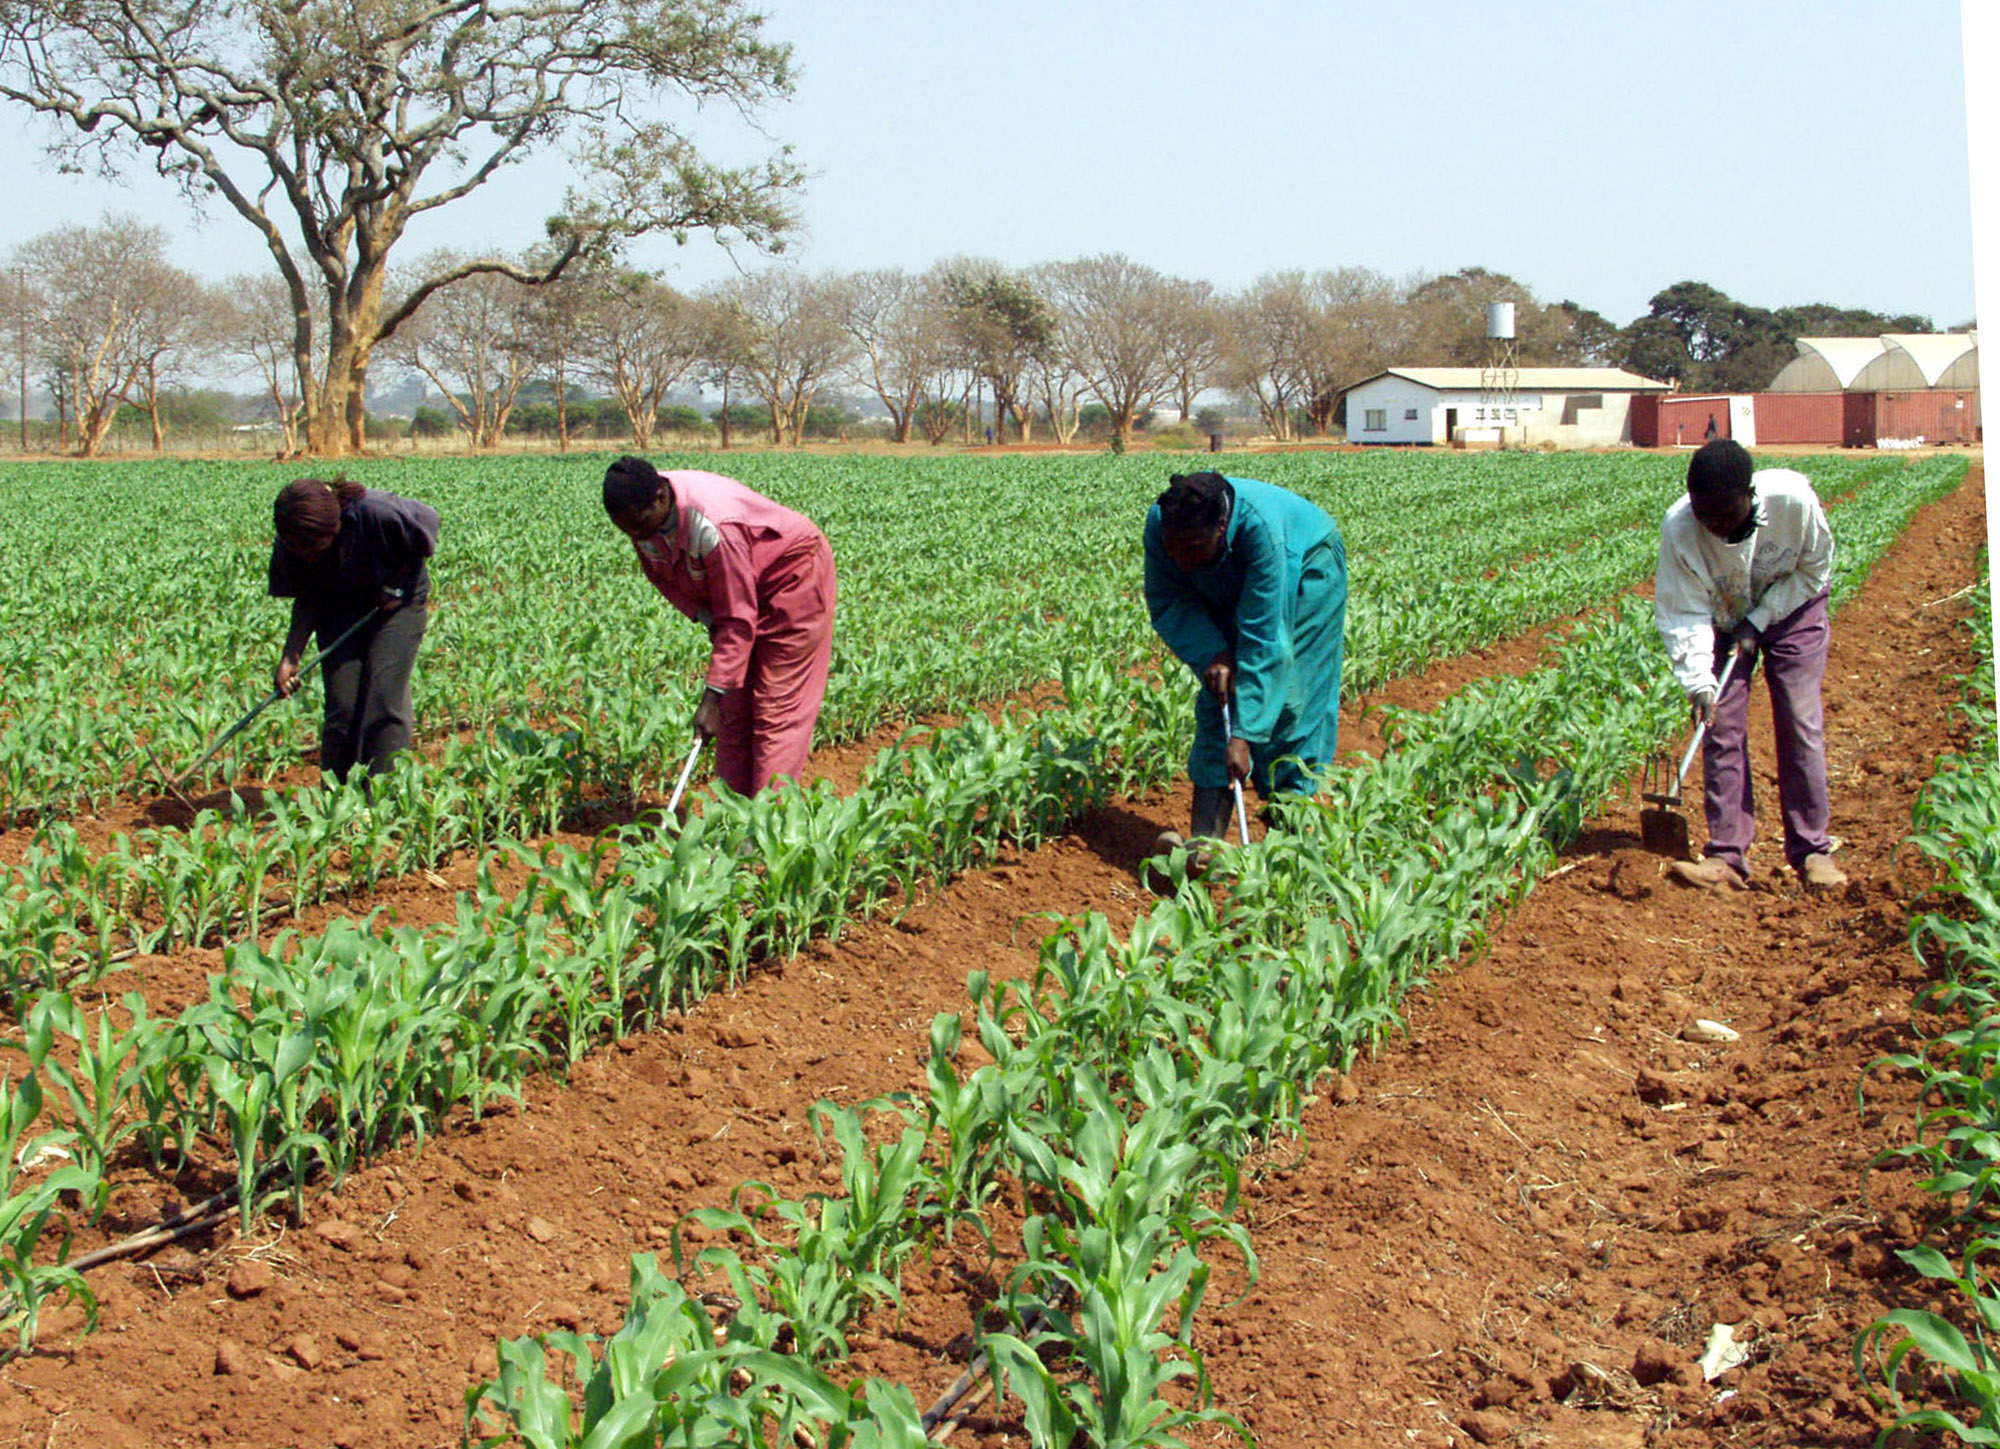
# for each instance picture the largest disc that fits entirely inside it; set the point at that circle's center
(1712, 872)
(1820, 873)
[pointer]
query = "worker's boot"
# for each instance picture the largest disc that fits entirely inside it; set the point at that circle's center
(1210, 823)
(1211, 813)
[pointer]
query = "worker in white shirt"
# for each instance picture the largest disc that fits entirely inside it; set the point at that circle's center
(1744, 562)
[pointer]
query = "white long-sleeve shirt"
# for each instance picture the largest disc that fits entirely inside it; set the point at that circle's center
(1706, 583)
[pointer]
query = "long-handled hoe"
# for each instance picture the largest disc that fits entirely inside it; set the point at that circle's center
(674, 800)
(1236, 785)
(178, 783)
(1663, 828)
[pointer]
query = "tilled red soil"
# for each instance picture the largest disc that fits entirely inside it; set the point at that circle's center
(1515, 1225)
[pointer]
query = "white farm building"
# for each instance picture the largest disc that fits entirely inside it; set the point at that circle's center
(1573, 407)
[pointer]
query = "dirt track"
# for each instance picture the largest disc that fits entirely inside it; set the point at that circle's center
(1493, 1225)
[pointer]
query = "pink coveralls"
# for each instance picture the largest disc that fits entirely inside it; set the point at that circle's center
(759, 578)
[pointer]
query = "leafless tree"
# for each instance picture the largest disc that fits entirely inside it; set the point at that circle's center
(257, 328)
(474, 341)
(1112, 309)
(1191, 334)
(898, 324)
(640, 338)
(796, 343)
(1264, 332)
(103, 299)
(176, 335)
(1354, 330)
(330, 128)
(558, 320)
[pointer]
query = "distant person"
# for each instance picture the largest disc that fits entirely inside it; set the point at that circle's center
(1744, 562)
(1247, 584)
(341, 551)
(1709, 435)
(759, 578)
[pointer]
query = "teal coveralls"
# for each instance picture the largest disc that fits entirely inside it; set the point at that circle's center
(1275, 599)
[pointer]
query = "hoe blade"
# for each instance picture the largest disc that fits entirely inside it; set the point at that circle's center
(1665, 832)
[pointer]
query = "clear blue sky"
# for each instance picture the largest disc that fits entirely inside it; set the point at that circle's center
(1783, 152)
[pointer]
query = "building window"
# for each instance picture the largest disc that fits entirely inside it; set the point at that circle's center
(1374, 420)
(1409, 415)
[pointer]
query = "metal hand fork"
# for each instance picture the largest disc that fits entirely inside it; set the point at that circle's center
(1236, 785)
(178, 783)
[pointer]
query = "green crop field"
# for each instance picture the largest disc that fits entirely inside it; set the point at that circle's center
(1127, 1076)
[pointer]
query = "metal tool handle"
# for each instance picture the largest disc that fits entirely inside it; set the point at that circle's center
(674, 800)
(270, 699)
(1721, 683)
(1236, 785)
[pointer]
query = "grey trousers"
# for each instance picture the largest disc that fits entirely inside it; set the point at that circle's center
(369, 710)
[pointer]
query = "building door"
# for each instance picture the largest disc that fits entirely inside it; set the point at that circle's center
(1450, 424)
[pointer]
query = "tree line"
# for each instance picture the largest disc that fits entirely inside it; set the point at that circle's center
(330, 129)
(105, 324)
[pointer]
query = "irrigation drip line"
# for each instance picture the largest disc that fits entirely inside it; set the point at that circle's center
(184, 1224)
(940, 1420)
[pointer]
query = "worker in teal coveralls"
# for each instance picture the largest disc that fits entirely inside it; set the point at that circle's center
(1247, 584)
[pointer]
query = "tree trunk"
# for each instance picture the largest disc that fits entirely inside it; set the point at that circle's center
(562, 411)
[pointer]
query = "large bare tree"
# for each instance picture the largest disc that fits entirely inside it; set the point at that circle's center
(1191, 331)
(1356, 324)
(898, 325)
(105, 304)
(474, 341)
(1113, 311)
(795, 341)
(1264, 335)
(331, 125)
(639, 338)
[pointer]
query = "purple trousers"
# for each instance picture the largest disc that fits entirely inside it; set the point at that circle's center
(1793, 653)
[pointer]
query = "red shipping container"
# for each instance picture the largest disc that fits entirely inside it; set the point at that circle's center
(1932, 416)
(1684, 420)
(1798, 417)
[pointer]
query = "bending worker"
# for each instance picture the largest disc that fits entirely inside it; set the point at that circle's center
(342, 550)
(1247, 584)
(759, 578)
(1744, 562)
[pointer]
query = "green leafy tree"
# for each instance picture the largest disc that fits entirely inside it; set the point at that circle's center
(1001, 325)
(331, 125)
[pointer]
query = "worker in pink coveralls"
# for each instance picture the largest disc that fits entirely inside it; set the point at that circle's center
(759, 578)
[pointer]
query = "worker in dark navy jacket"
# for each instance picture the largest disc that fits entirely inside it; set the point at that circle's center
(342, 550)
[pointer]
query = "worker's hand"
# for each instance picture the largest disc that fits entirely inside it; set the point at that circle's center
(1220, 674)
(389, 601)
(1743, 639)
(1236, 758)
(286, 679)
(708, 714)
(1701, 707)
